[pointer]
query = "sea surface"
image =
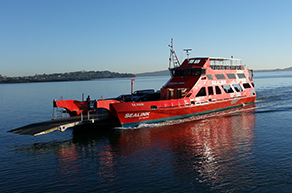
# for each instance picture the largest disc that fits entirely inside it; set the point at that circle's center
(246, 149)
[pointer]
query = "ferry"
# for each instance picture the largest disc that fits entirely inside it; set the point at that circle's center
(199, 85)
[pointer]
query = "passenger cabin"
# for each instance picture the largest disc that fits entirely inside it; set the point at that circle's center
(202, 77)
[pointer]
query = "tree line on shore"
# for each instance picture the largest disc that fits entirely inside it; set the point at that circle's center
(70, 76)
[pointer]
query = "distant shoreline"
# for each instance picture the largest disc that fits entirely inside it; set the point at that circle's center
(63, 77)
(93, 75)
(272, 70)
(166, 72)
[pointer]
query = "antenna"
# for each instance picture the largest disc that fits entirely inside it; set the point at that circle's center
(187, 52)
(173, 57)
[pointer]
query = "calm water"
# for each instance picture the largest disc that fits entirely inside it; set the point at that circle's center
(246, 149)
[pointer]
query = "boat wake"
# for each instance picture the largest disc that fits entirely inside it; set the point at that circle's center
(274, 100)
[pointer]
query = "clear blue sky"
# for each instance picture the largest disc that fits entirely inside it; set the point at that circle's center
(49, 36)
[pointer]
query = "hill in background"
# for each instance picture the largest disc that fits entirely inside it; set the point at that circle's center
(71, 76)
(156, 73)
(277, 69)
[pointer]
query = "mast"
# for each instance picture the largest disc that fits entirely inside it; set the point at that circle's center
(173, 59)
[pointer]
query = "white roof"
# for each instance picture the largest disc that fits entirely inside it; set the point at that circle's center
(221, 59)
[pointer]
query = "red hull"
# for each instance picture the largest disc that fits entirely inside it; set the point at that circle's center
(130, 115)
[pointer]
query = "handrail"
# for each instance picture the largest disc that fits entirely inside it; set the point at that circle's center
(228, 67)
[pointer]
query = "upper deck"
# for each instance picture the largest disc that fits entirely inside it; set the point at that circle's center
(213, 63)
(198, 66)
(226, 64)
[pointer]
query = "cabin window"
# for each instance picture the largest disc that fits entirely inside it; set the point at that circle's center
(202, 92)
(210, 90)
(218, 90)
(231, 76)
(252, 84)
(178, 94)
(189, 95)
(241, 75)
(210, 77)
(246, 85)
(154, 107)
(169, 94)
(237, 87)
(227, 88)
(220, 76)
(197, 61)
(194, 61)
(203, 71)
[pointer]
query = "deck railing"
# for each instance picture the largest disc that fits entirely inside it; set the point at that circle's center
(228, 67)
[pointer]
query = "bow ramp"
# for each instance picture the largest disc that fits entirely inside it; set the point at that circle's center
(48, 126)
(81, 113)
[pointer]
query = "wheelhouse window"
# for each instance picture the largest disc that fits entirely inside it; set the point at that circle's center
(188, 72)
(241, 75)
(196, 72)
(231, 76)
(210, 77)
(246, 85)
(202, 92)
(227, 88)
(237, 87)
(220, 76)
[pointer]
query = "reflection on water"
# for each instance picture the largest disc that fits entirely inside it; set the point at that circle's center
(212, 153)
(68, 158)
(215, 151)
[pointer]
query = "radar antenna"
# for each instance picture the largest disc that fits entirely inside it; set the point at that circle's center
(187, 52)
(173, 59)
